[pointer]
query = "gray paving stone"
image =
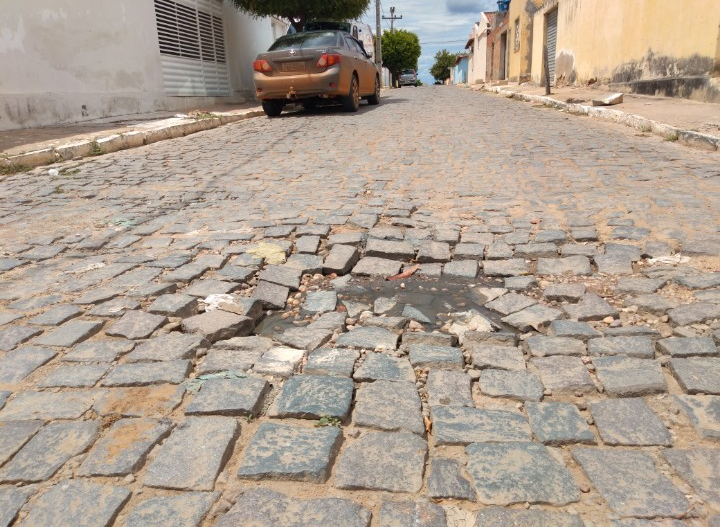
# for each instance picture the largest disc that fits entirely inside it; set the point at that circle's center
(47, 406)
(266, 508)
(219, 325)
(99, 295)
(306, 263)
(123, 448)
(446, 481)
(116, 307)
(15, 335)
(508, 473)
(699, 281)
(649, 523)
(67, 504)
(347, 238)
(499, 250)
(652, 303)
(461, 269)
(486, 356)
(401, 454)
(290, 453)
(629, 422)
(319, 302)
(688, 347)
(378, 366)
(170, 346)
(313, 397)
(192, 457)
(457, 425)
(70, 333)
(533, 251)
(186, 273)
(551, 236)
(533, 317)
(576, 249)
(11, 501)
(517, 385)
(6, 318)
(481, 238)
(279, 361)
(236, 273)
(340, 259)
(520, 283)
(369, 338)
(186, 510)
(7, 264)
(282, 275)
(697, 374)
(511, 303)
(13, 435)
(136, 325)
(21, 362)
(79, 376)
(307, 338)
(244, 396)
(695, 313)
(631, 484)
(331, 361)
(415, 513)
(469, 251)
(549, 346)
(558, 424)
(572, 329)
(175, 305)
(446, 357)
(48, 450)
(271, 296)
(562, 374)
(591, 307)
(373, 411)
(412, 313)
(639, 285)
(151, 290)
(637, 347)
(703, 412)
(501, 517)
(4, 397)
(56, 315)
(147, 373)
(629, 377)
(307, 244)
(700, 468)
(104, 350)
(448, 388)
(389, 249)
(430, 339)
(567, 266)
(614, 264)
(434, 252)
(565, 292)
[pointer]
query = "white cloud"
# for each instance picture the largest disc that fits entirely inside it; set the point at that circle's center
(438, 24)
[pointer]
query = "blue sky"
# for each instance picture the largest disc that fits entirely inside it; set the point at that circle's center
(439, 24)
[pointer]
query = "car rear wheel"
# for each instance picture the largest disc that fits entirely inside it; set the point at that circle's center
(272, 108)
(351, 103)
(375, 97)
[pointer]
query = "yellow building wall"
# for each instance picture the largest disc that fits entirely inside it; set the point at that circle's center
(520, 58)
(621, 41)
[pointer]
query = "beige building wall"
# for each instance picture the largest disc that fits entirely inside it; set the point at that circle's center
(520, 42)
(637, 45)
(67, 61)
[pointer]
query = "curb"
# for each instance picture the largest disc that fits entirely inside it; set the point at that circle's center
(112, 143)
(690, 138)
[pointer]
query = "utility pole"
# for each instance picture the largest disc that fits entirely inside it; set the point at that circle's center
(392, 18)
(378, 37)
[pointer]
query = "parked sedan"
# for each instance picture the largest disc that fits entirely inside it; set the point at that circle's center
(315, 66)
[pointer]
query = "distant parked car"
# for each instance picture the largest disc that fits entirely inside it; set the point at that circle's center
(408, 78)
(312, 67)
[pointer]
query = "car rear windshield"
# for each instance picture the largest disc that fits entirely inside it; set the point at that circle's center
(408, 72)
(318, 25)
(305, 40)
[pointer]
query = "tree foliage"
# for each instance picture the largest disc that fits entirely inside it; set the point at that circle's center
(300, 11)
(401, 50)
(444, 62)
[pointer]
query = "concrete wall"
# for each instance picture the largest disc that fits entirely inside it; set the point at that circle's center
(647, 46)
(497, 57)
(477, 61)
(67, 61)
(520, 35)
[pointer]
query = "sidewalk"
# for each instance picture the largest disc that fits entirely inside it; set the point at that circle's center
(27, 148)
(692, 123)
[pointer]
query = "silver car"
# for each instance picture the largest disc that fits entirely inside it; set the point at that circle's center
(408, 78)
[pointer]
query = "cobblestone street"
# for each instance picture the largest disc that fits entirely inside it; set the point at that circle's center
(200, 332)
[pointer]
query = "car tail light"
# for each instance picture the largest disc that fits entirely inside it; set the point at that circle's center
(327, 60)
(262, 66)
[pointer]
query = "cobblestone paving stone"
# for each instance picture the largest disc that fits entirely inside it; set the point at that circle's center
(128, 397)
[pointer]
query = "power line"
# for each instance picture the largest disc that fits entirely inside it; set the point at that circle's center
(445, 42)
(392, 18)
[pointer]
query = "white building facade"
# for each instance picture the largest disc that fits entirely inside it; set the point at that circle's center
(477, 51)
(69, 61)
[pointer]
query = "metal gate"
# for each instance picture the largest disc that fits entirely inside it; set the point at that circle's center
(192, 47)
(551, 22)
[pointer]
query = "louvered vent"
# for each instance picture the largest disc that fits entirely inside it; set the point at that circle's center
(192, 47)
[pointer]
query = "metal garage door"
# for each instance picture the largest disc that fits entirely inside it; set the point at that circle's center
(192, 47)
(551, 39)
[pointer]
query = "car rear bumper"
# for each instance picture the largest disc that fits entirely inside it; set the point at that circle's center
(291, 87)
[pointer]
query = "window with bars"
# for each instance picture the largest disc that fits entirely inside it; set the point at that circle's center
(187, 32)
